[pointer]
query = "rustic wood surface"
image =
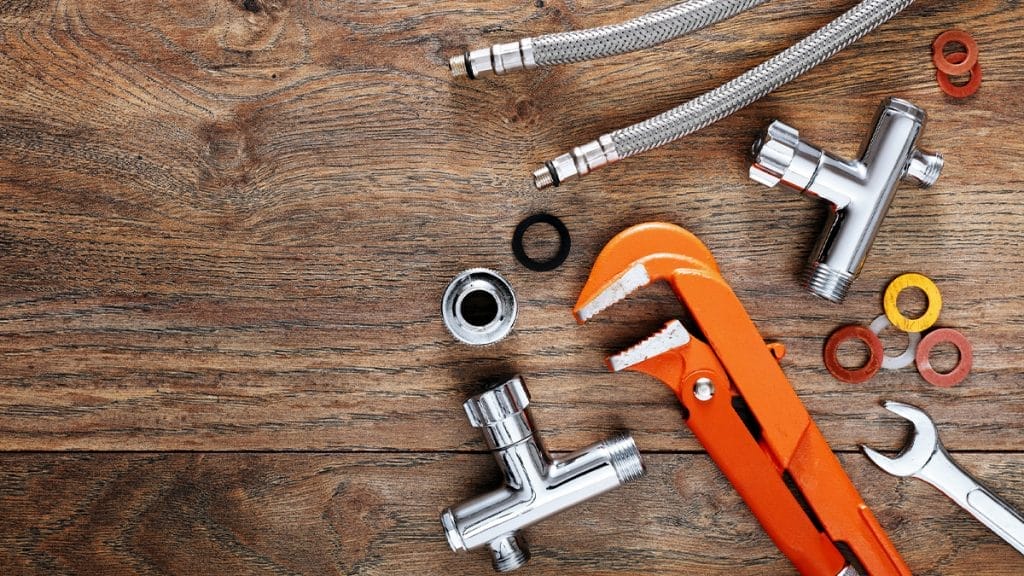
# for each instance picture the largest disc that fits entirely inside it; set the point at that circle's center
(225, 228)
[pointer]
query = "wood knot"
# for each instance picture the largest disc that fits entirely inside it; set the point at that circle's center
(259, 28)
(229, 186)
(226, 146)
(523, 110)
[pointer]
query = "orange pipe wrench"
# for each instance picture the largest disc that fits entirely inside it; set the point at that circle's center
(773, 454)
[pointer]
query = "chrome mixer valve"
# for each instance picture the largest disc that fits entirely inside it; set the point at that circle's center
(536, 487)
(858, 192)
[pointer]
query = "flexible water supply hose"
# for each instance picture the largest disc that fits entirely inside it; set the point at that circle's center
(579, 45)
(724, 100)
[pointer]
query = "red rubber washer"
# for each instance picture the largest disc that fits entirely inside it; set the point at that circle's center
(957, 374)
(865, 372)
(960, 91)
(943, 61)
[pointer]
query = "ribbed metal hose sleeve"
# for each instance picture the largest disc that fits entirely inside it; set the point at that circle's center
(636, 34)
(756, 83)
(726, 99)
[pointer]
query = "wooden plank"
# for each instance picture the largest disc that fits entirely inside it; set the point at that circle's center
(226, 229)
(378, 514)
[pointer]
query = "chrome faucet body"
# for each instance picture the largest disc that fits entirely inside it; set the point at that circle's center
(858, 192)
(535, 486)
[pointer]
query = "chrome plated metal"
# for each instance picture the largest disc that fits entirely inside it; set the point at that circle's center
(858, 192)
(629, 36)
(926, 458)
(535, 486)
(755, 83)
(482, 283)
(579, 161)
(497, 59)
(703, 389)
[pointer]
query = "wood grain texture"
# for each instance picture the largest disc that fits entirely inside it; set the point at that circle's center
(222, 513)
(225, 226)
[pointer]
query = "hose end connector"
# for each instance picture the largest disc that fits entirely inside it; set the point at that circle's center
(579, 161)
(459, 65)
(497, 59)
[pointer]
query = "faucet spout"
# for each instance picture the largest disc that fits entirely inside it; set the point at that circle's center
(858, 192)
(535, 485)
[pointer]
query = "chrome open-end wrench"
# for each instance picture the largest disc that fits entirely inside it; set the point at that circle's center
(927, 459)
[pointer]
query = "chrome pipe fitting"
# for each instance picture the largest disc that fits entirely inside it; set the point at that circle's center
(858, 192)
(536, 487)
(479, 307)
(497, 59)
(579, 161)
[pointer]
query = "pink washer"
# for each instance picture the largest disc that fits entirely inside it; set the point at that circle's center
(957, 374)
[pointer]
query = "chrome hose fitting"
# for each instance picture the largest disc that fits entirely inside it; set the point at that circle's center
(858, 192)
(479, 307)
(579, 161)
(730, 97)
(497, 59)
(536, 487)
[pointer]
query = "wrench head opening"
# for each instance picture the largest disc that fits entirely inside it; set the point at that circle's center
(636, 257)
(923, 443)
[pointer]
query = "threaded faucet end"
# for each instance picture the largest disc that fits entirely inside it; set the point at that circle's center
(826, 282)
(509, 553)
(625, 458)
(457, 64)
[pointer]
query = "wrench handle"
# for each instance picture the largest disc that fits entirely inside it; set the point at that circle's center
(946, 475)
(998, 516)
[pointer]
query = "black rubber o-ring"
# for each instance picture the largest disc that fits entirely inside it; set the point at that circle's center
(564, 243)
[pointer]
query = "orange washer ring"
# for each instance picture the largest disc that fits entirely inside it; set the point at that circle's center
(943, 63)
(957, 374)
(960, 91)
(865, 372)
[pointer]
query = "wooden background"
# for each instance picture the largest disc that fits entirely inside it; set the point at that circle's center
(225, 228)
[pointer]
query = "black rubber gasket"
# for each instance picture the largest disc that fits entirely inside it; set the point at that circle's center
(564, 243)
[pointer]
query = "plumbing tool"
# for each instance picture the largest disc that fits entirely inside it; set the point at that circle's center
(740, 405)
(926, 458)
(536, 487)
(858, 192)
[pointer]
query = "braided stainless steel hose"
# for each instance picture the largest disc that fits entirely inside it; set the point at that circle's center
(724, 100)
(579, 45)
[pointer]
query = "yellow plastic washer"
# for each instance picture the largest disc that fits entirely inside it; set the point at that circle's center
(892, 311)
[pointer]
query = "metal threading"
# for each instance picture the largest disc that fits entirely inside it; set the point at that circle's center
(827, 283)
(542, 178)
(479, 307)
(457, 64)
(508, 554)
(625, 458)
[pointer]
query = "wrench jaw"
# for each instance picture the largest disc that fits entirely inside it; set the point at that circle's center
(924, 443)
(606, 285)
(673, 336)
(636, 257)
(680, 361)
(695, 370)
